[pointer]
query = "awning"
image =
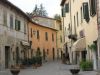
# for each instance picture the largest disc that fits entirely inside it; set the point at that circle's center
(79, 45)
(25, 43)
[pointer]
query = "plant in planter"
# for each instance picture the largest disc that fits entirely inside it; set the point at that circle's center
(86, 65)
(74, 71)
(93, 48)
(34, 62)
(15, 70)
(38, 57)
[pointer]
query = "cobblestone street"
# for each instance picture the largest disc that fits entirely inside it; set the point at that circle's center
(51, 68)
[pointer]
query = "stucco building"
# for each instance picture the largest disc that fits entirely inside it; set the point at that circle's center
(44, 39)
(55, 24)
(79, 19)
(13, 34)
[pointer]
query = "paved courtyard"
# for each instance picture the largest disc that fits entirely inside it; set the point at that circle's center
(51, 68)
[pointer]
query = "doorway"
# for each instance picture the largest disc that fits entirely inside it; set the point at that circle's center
(53, 52)
(17, 55)
(7, 56)
(44, 54)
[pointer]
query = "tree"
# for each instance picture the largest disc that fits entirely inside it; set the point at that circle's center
(39, 11)
(57, 16)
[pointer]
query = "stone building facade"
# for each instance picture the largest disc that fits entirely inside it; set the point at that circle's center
(13, 34)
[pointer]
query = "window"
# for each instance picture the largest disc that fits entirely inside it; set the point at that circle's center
(77, 19)
(81, 15)
(74, 24)
(11, 21)
(67, 7)
(86, 12)
(61, 39)
(69, 27)
(46, 36)
(52, 37)
(37, 34)
(92, 7)
(63, 12)
(17, 24)
(31, 32)
(82, 34)
(25, 25)
(5, 17)
(47, 51)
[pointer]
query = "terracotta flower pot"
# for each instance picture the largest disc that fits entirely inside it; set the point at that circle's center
(74, 71)
(15, 71)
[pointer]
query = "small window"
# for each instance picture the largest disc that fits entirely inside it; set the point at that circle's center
(61, 39)
(17, 24)
(81, 15)
(63, 12)
(52, 37)
(31, 32)
(37, 34)
(82, 34)
(11, 21)
(67, 7)
(86, 12)
(92, 7)
(5, 17)
(46, 36)
(77, 19)
(75, 24)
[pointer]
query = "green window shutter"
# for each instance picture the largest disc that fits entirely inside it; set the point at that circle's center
(86, 12)
(67, 7)
(92, 7)
(18, 25)
(63, 12)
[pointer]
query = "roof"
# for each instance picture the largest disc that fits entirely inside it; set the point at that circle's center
(6, 2)
(21, 12)
(45, 17)
(62, 2)
(43, 26)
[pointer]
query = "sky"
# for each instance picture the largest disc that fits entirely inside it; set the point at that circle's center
(51, 6)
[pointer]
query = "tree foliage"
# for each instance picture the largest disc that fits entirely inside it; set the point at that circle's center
(38, 11)
(57, 16)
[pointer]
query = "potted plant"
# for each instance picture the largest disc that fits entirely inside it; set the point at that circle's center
(15, 70)
(86, 65)
(74, 71)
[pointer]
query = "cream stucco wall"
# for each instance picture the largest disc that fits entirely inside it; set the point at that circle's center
(90, 29)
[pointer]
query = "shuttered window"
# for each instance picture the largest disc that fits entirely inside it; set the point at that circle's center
(17, 24)
(86, 12)
(92, 7)
(63, 12)
(67, 7)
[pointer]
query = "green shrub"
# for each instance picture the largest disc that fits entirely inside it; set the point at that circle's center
(86, 65)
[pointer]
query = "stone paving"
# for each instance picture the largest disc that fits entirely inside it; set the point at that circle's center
(51, 68)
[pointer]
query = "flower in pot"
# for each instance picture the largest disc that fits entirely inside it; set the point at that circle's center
(75, 70)
(15, 70)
